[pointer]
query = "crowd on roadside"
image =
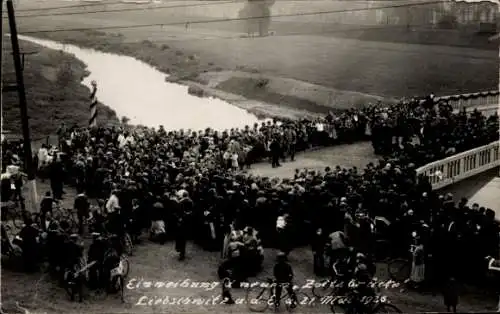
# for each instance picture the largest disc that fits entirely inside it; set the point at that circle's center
(191, 180)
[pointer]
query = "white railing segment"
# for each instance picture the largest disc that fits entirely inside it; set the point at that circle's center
(481, 99)
(453, 169)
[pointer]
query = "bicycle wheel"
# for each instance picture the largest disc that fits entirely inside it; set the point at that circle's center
(126, 266)
(341, 306)
(386, 308)
(69, 285)
(302, 300)
(338, 309)
(127, 244)
(325, 288)
(399, 269)
(258, 298)
(120, 284)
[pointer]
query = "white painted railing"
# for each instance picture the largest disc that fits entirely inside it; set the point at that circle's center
(450, 170)
(482, 99)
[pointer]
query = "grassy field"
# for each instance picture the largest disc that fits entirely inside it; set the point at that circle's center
(53, 91)
(329, 24)
(377, 68)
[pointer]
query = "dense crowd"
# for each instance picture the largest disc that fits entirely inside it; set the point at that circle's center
(189, 184)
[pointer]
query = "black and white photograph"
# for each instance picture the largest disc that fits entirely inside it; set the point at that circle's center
(250, 156)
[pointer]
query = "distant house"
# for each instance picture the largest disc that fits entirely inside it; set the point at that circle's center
(463, 14)
(481, 15)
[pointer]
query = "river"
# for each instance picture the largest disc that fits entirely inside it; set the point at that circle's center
(138, 91)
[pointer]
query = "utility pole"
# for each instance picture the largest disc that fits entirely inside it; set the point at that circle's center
(1, 57)
(21, 92)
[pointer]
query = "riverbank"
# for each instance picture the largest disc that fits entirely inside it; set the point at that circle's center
(306, 52)
(279, 97)
(54, 92)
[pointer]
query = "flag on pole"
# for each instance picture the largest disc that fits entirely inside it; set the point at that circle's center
(93, 105)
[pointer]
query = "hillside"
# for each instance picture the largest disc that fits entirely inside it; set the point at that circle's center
(53, 91)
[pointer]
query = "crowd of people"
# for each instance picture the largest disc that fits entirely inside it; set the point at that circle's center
(190, 184)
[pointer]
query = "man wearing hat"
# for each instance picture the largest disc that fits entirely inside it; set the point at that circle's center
(29, 235)
(73, 251)
(96, 253)
(82, 207)
(46, 207)
(180, 237)
(283, 274)
(56, 175)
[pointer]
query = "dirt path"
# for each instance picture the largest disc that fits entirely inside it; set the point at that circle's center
(158, 264)
(357, 154)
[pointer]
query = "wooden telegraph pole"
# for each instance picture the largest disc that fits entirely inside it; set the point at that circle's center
(21, 92)
(1, 56)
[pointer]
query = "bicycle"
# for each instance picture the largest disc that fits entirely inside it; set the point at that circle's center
(261, 297)
(400, 268)
(74, 280)
(118, 275)
(331, 286)
(116, 280)
(68, 214)
(125, 241)
(326, 288)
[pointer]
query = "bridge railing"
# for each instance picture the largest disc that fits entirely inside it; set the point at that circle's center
(453, 169)
(481, 99)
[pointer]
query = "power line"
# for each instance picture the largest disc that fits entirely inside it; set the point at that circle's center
(129, 9)
(354, 29)
(166, 7)
(68, 7)
(227, 19)
(125, 3)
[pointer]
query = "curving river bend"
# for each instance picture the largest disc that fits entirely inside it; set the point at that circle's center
(138, 91)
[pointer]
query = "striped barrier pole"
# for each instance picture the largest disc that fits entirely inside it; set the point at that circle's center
(93, 105)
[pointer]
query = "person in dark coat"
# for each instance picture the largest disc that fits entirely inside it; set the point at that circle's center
(29, 245)
(450, 295)
(56, 174)
(275, 148)
(318, 249)
(82, 207)
(96, 254)
(45, 207)
(180, 238)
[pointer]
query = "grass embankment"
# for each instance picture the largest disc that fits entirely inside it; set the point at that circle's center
(256, 89)
(53, 91)
(181, 66)
(163, 57)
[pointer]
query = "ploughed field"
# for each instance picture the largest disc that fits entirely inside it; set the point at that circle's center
(300, 48)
